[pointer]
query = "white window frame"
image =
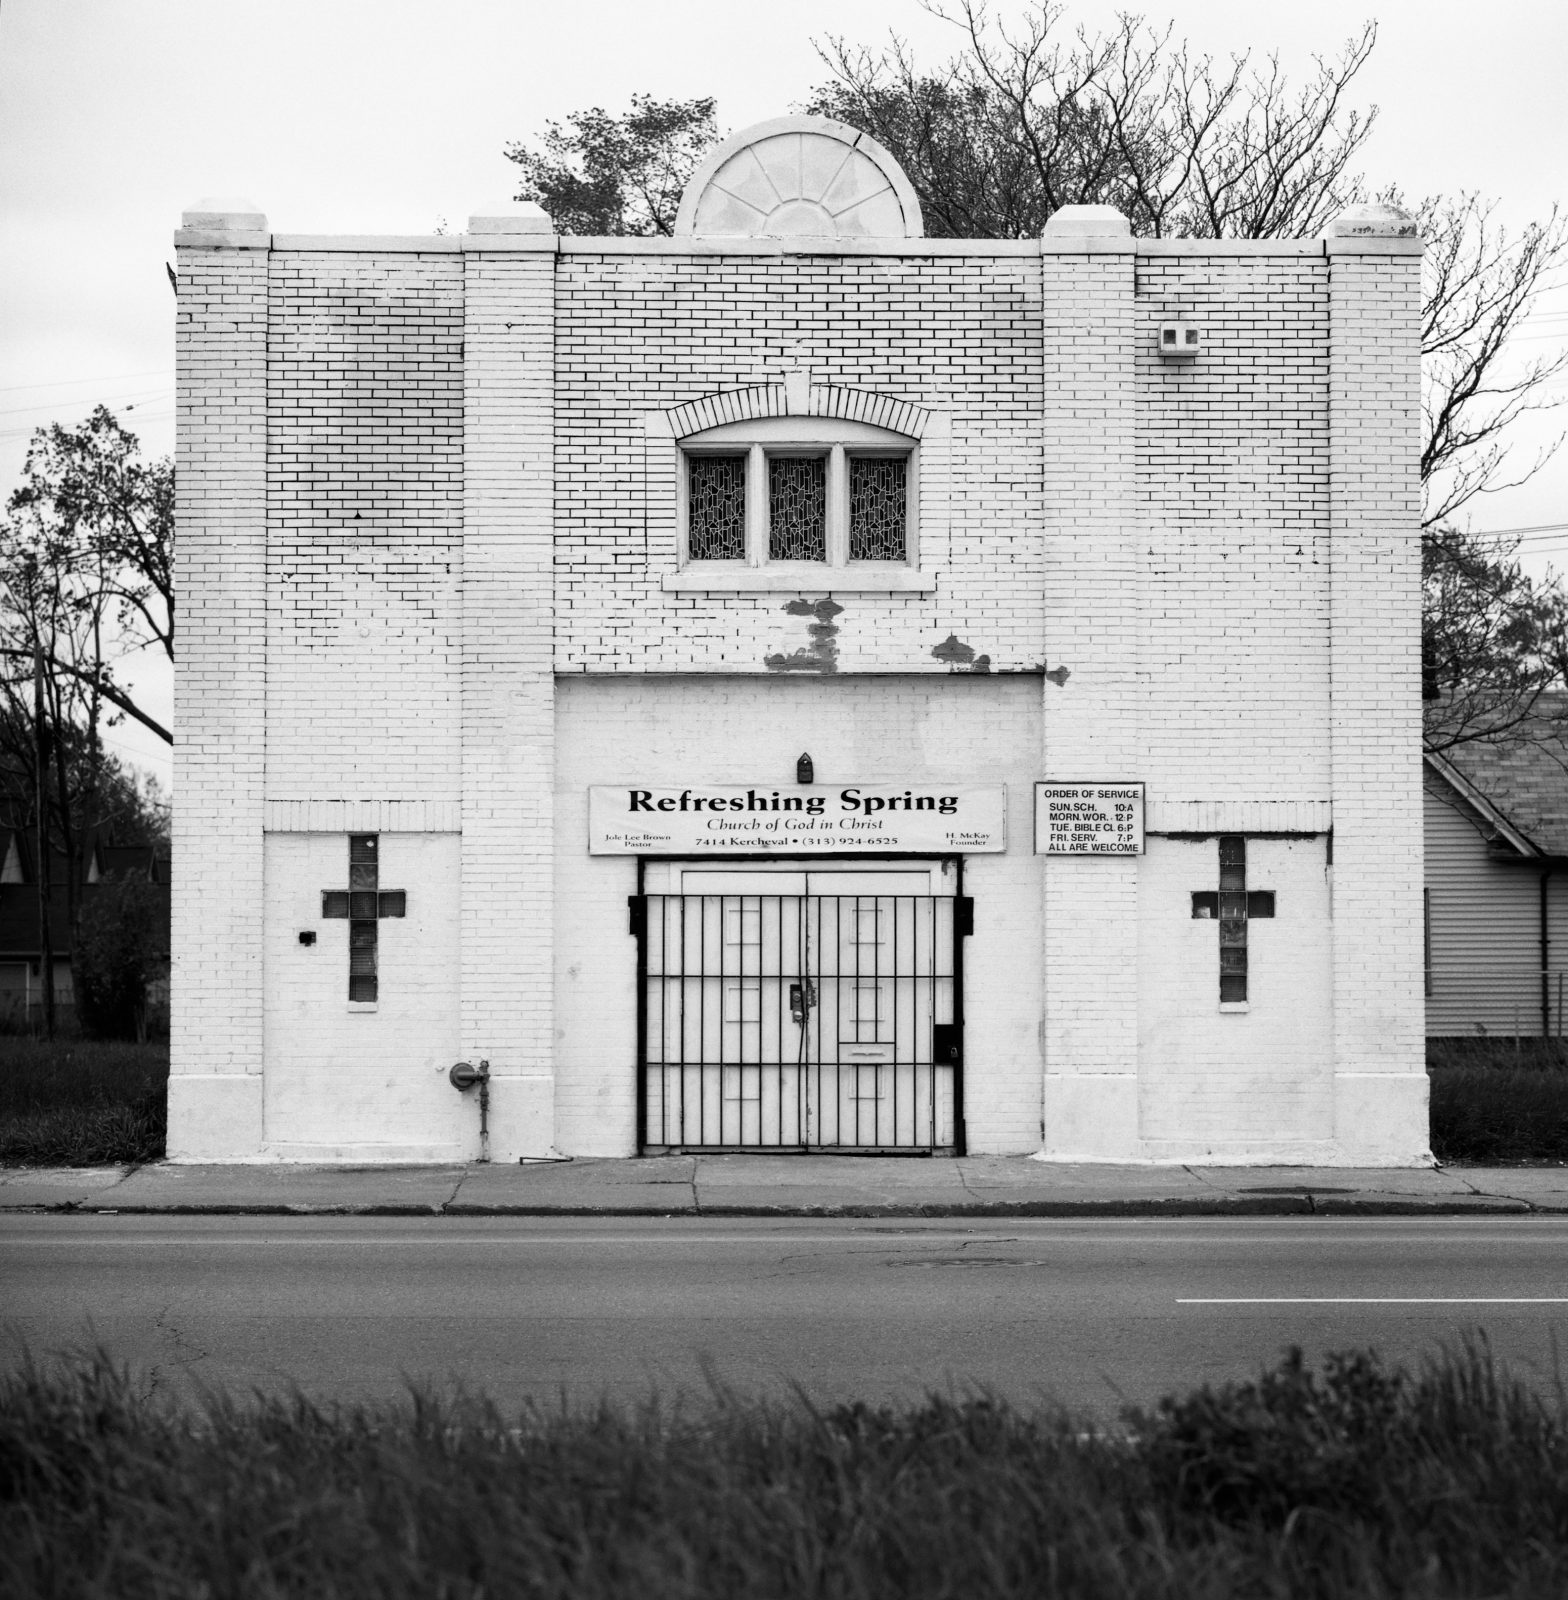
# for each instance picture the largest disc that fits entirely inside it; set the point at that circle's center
(837, 441)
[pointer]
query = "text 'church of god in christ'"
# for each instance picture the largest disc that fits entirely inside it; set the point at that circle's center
(798, 685)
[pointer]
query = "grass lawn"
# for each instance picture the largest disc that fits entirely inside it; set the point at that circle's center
(1497, 1104)
(81, 1102)
(84, 1102)
(1347, 1481)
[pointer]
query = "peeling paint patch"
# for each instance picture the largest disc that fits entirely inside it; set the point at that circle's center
(958, 655)
(821, 655)
(1059, 676)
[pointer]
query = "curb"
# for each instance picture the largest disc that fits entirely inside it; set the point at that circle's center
(1282, 1206)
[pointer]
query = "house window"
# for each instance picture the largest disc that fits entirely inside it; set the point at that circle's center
(805, 498)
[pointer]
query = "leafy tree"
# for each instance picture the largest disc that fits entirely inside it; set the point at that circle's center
(117, 954)
(624, 175)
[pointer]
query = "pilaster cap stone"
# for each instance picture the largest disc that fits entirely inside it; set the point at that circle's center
(515, 216)
(1086, 222)
(225, 214)
(1372, 221)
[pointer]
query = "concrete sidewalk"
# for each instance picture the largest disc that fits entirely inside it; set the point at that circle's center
(815, 1186)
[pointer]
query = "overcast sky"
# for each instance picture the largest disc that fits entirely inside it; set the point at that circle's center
(344, 116)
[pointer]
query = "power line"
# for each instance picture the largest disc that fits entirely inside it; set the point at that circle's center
(76, 383)
(51, 405)
(139, 417)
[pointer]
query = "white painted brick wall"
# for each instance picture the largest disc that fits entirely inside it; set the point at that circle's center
(1233, 478)
(465, 491)
(508, 715)
(1375, 688)
(639, 335)
(670, 730)
(1089, 431)
(364, 549)
(221, 430)
(1236, 1086)
(345, 1083)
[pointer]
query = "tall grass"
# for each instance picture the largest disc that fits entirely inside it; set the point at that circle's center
(1498, 1101)
(1348, 1481)
(81, 1102)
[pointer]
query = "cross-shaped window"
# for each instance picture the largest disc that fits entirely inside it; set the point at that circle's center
(363, 903)
(1234, 905)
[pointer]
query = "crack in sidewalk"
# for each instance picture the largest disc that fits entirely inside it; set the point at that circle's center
(1492, 1194)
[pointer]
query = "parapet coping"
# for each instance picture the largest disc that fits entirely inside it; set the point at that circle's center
(569, 244)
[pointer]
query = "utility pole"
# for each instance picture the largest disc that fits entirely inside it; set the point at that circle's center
(40, 798)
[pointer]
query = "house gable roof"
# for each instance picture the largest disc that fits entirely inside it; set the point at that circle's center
(1518, 784)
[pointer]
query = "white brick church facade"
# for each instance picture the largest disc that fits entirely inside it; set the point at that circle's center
(518, 571)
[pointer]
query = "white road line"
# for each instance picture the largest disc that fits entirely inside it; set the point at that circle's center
(1381, 1300)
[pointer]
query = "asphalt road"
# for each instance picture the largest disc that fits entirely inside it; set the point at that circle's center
(1094, 1313)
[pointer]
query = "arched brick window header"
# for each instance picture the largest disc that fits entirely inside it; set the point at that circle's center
(822, 400)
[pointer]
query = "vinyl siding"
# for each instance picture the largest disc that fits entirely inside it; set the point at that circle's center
(1483, 927)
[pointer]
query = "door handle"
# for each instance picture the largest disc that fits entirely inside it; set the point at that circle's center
(802, 997)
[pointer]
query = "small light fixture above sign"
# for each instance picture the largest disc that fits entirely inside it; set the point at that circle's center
(1180, 340)
(805, 772)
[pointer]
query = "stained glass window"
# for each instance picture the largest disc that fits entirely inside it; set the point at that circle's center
(878, 495)
(363, 903)
(797, 508)
(717, 520)
(1235, 905)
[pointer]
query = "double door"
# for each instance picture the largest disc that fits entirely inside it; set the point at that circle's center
(800, 1010)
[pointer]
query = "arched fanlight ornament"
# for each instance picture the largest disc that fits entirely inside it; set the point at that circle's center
(800, 177)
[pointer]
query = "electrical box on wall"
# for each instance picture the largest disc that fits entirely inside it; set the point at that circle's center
(1180, 341)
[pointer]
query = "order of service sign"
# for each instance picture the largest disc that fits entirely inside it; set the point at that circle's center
(1088, 819)
(626, 819)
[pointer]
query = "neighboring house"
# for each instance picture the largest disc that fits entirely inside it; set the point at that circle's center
(21, 986)
(1496, 826)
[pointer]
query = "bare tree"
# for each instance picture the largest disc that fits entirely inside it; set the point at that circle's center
(1479, 287)
(95, 523)
(1494, 644)
(1494, 640)
(85, 578)
(1028, 118)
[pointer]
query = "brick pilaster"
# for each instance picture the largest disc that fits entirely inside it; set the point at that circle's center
(1090, 1033)
(215, 1097)
(1375, 717)
(508, 684)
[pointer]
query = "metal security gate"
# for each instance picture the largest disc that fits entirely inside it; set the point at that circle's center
(801, 1021)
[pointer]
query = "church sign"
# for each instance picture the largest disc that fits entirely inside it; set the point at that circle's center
(629, 820)
(1088, 819)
